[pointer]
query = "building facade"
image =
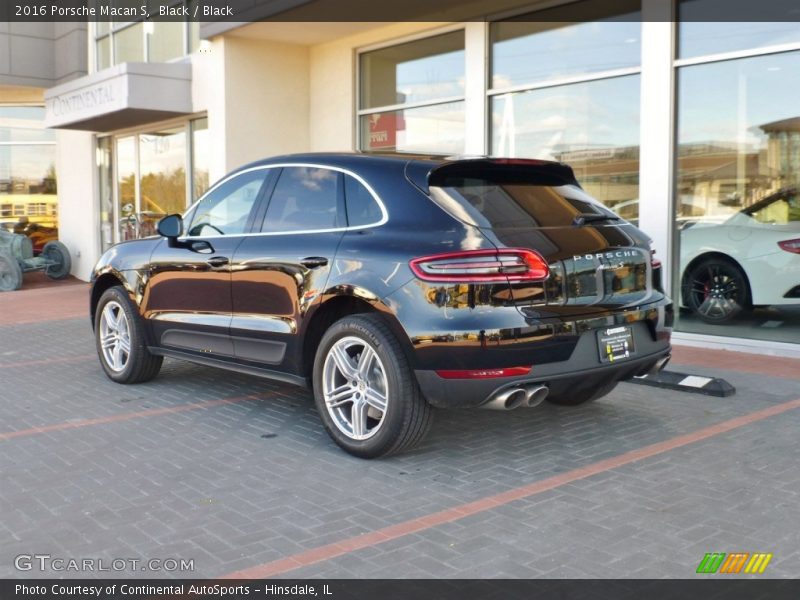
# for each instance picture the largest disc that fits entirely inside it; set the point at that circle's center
(33, 57)
(679, 125)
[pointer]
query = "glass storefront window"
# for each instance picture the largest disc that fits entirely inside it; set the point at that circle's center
(550, 44)
(413, 72)
(25, 134)
(592, 126)
(133, 42)
(438, 129)
(738, 209)
(428, 73)
(103, 53)
(701, 32)
(129, 44)
(24, 124)
(28, 176)
(28, 200)
(21, 113)
(166, 41)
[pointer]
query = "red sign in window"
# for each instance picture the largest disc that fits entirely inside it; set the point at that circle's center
(383, 129)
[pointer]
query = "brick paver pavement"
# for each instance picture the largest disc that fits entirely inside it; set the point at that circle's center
(236, 472)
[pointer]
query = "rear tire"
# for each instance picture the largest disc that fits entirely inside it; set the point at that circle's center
(583, 395)
(121, 341)
(365, 391)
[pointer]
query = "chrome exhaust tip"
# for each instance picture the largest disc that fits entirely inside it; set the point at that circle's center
(515, 397)
(507, 399)
(535, 395)
(660, 365)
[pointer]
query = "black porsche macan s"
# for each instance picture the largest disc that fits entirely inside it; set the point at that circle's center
(390, 285)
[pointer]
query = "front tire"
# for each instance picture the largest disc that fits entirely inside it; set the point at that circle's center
(365, 391)
(716, 291)
(120, 339)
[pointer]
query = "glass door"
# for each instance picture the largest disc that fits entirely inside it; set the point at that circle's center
(127, 188)
(162, 177)
(146, 176)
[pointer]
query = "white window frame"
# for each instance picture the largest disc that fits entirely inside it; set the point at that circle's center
(361, 112)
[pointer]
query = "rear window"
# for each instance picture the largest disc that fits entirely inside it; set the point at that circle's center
(483, 203)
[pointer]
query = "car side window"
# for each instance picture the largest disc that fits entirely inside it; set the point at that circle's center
(362, 208)
(305, 198)
(226, 209)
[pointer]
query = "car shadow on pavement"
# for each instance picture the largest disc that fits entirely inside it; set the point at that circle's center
(543, 440)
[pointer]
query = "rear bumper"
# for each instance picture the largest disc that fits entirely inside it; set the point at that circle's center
(582, 369)
(475, 328)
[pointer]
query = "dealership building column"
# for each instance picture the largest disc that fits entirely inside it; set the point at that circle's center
(476, 78)
(657, 127)
(266, 99)
(79, 227)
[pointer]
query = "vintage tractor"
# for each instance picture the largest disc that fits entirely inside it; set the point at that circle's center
(16, 258)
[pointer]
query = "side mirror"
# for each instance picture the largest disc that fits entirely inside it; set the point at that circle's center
(170, 227)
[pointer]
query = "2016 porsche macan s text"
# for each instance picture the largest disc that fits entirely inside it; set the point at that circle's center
(391, 285)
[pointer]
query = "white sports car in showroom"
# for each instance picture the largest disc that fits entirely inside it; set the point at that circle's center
(751, 259)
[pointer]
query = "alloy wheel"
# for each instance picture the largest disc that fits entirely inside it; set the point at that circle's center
(717, 291)
(115, 336)
(354, 388)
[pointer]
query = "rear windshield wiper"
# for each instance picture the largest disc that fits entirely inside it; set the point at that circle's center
(581, 220)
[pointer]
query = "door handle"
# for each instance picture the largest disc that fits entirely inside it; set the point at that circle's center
(314, 261)
(217, 261)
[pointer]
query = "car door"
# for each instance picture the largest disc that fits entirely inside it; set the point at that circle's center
(188, 296)
(279, 275)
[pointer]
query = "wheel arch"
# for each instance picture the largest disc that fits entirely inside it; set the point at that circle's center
(102, 283)
(341, 305)
(717, 256)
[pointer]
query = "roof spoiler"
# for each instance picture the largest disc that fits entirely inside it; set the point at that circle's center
(509, 171)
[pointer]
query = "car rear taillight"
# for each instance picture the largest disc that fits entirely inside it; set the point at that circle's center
(792, 246)
(482, 266)
(654, 262)
(483, 373)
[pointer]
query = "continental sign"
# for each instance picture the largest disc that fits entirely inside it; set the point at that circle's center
(734, 563)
